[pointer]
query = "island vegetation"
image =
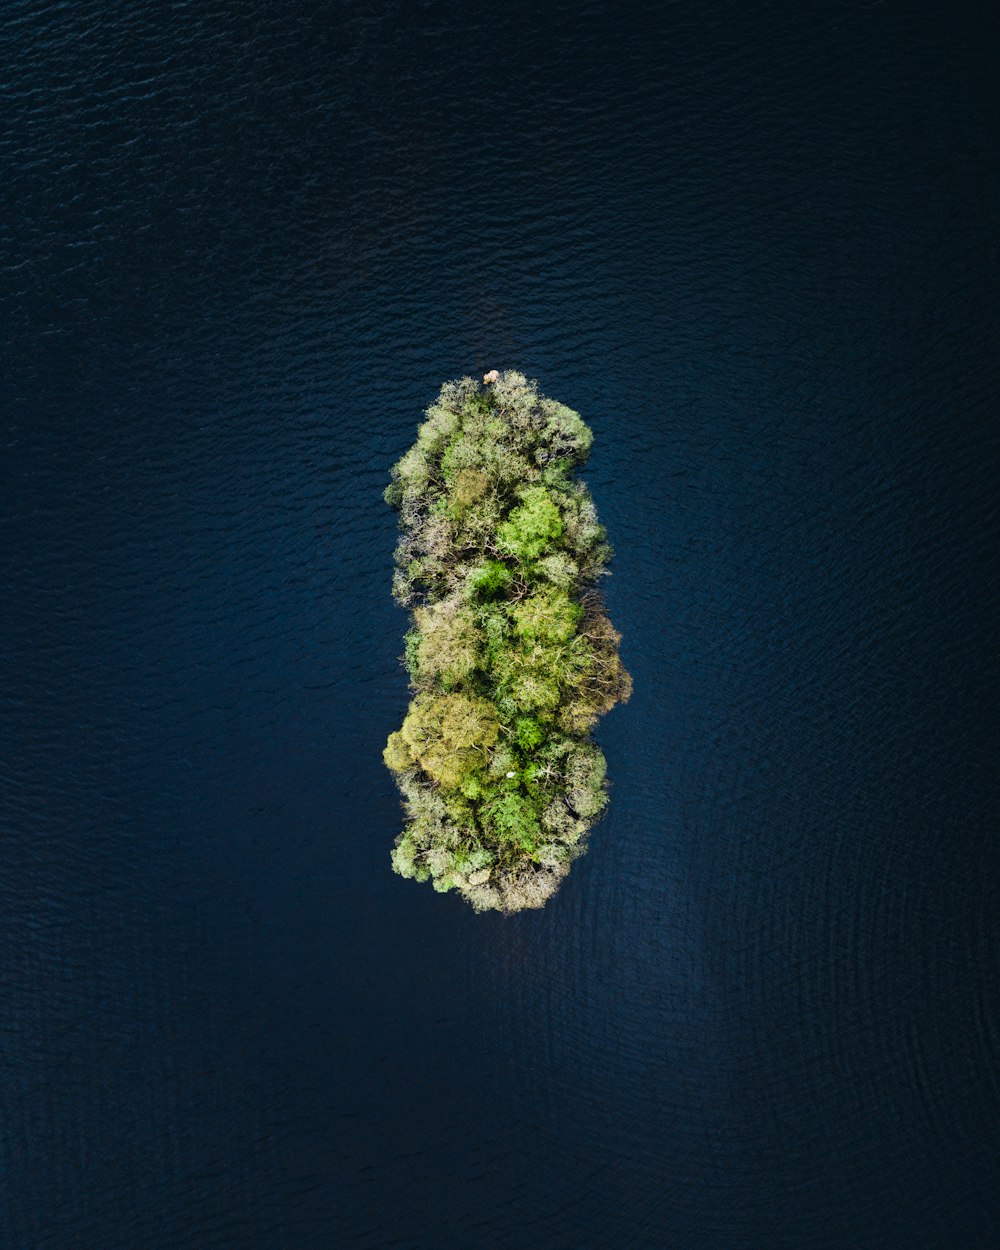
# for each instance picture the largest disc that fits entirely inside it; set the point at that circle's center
(511, 655)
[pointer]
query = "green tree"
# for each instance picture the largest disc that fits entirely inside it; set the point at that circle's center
(511, 655)
(533, 526)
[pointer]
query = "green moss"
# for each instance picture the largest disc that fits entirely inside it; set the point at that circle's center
(511, 656)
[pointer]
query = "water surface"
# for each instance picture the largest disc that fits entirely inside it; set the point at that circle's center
(242, 246)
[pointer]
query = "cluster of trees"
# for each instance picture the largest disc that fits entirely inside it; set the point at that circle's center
(511, 656)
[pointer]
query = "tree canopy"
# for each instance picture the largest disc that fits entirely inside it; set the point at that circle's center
(511, 655)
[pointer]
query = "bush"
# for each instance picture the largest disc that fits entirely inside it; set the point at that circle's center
(533, 527)
(489, 580)
(511, 655)
(528, 731)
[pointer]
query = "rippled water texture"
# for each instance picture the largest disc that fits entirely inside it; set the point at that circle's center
(755, 246)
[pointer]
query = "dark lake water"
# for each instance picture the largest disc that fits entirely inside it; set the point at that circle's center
(242, 244)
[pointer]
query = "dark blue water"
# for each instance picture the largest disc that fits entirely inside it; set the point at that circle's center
(242, 245)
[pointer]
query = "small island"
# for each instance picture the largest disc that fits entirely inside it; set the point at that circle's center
(511, 655)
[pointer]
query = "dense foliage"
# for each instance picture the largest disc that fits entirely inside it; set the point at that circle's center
(511, 656)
